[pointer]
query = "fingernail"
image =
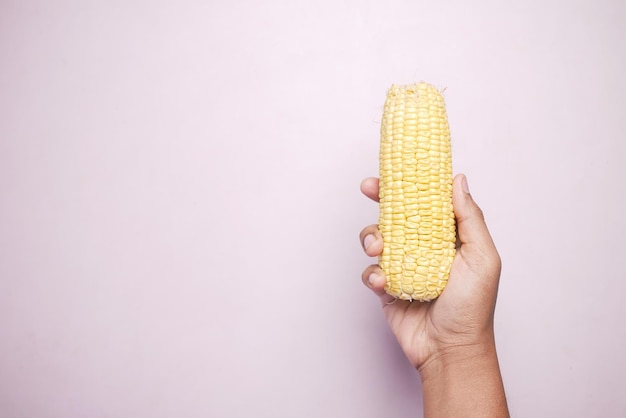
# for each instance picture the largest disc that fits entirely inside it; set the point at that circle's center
(374, 280)
(368, 241)
(464, 185)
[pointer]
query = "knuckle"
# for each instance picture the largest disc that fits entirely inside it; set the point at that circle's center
(478, 213)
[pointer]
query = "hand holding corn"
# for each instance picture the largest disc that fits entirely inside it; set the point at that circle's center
(449, 340)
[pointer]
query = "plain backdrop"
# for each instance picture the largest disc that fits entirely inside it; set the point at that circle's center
(180, 205)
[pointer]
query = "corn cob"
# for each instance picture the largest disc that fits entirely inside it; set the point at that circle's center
(416, 216)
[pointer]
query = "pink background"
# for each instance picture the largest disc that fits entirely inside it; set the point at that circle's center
(180, 204)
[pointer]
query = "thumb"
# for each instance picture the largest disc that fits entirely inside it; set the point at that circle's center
(471, 227)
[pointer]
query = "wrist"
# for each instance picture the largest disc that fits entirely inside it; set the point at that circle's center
(464, 380)
(449, 355)
(458, 358)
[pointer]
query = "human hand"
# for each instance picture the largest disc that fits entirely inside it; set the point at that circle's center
(459, 323)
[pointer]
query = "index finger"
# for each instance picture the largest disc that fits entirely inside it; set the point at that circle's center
(369, 187)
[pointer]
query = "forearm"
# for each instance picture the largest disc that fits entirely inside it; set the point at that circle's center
(464, 383)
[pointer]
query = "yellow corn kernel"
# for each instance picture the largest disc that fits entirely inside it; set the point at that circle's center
(416, 215)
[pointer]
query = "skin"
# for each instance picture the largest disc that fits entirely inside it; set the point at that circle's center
(450, 341)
